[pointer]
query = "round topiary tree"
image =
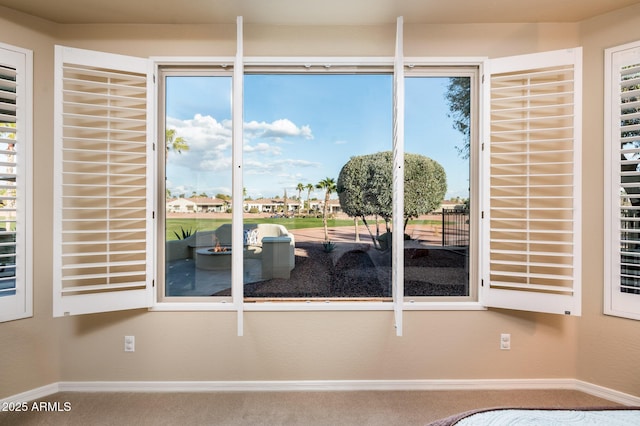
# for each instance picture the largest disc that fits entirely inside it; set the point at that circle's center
(364, 187)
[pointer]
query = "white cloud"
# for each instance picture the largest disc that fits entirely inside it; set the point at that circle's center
(210, 141)
(256, 167)
(210, 154)
(279, 129)
(263, 148)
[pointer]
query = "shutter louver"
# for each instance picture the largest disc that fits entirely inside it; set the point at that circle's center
(534, 196)
(103, 173)
(629, 199)
(9, 138)
(622, 181)
(16, 147)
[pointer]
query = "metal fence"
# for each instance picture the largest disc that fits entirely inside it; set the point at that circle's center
(455, 227)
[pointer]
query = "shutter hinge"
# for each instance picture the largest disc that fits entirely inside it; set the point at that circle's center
(153, 215)
(154, 78)
(482, 146)
(153, 283)
(482, 78)
(482, 283)
(482, 214)
(154, 146)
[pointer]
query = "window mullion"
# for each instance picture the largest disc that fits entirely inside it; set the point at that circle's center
(237, 287)
(397, 261)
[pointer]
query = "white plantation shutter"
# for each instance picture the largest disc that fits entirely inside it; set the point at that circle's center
(622, 181)
(531, 214)
(15, 183)
(103, 199)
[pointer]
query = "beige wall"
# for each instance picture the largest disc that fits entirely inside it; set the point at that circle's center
(609, 347)
(30, 347)
(311, 345)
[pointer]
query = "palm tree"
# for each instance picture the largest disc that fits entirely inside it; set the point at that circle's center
(174, 143)
(329, 186)
(309, 188)
(300, 188)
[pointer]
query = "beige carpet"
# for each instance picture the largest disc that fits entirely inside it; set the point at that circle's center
(285, 408)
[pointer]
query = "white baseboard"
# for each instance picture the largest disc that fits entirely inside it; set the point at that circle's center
(315, 385)
(33, 394)
(606, 393)
(326, 385)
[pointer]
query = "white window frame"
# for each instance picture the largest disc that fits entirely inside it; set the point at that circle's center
(399, 304)
(616, 303)
(20, 305)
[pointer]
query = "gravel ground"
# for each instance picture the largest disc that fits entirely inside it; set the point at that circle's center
(358, 270)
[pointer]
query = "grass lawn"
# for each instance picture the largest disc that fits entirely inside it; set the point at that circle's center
(179, 224)
(193, 224)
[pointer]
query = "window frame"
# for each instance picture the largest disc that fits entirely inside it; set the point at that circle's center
(20, 305)
(168, 67)
(438, 66)
(616, 303)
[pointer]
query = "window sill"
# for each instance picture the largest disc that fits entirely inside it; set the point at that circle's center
(328, 305)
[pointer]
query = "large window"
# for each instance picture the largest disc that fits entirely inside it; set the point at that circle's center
(302, 133)
(317, 184)
(376, 183)
(622, 181)
(15, 183)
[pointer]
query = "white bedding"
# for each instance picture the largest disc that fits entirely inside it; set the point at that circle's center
(512, 417)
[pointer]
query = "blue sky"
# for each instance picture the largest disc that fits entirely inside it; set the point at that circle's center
(302, 129)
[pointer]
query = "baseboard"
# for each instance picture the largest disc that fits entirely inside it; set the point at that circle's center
(326, 385)
(606, 393)
(33, 394)
(315, 385)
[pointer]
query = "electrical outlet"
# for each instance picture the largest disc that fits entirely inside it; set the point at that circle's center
(129, 343)
(505, 341)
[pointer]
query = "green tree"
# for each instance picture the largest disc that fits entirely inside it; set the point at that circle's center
(328, 185)
(364, 187)
(300, 188)
(459, 98)
(309, 189)
(175, 143)
(285, 206)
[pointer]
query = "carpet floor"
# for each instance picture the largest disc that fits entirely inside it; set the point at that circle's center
(284, 408)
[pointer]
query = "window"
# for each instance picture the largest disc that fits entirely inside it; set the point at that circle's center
(303, 132)
(198, 182)
(256, 155)
(440, 124)
(317, 144)
(15, 183)
(622, 181)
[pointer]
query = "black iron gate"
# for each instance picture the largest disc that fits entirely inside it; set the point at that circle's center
(455, 227)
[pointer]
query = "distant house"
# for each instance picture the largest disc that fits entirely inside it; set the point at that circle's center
(197, 204)
(181, 205)
(211, 205)
(270, 205)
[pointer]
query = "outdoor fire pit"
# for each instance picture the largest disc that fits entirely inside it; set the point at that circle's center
(215, 258)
